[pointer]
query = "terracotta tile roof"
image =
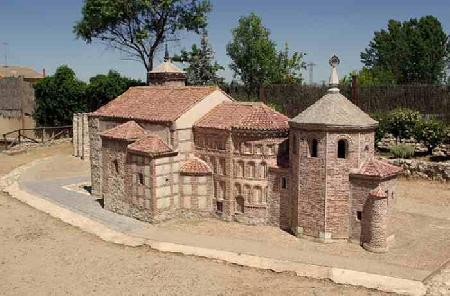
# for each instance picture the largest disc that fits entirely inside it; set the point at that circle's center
(378, 193)
(152, 145)
(240, 115)
(195, 166)
(378, 168)
(155, 103)
(129, 131)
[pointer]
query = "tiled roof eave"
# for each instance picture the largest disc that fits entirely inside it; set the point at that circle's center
(152, 154)
(325, 126)
(118, 139)
(168, 122)
(377, 177)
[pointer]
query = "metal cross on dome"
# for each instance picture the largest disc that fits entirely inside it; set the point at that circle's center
(334, 61)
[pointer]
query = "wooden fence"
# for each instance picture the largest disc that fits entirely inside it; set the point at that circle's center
(432, 100)
(36, 135)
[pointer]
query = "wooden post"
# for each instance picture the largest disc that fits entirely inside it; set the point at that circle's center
(355, 95)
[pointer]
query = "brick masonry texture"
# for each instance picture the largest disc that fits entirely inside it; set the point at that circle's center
(241, 161)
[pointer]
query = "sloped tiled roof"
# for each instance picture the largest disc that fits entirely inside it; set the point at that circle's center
(155, 103)
(129, 131)
(167, 67)
(378, 168)
(334, 110)
(195, 166)
(16, 71)
(151, 144)
(378, 193)
(247, 116)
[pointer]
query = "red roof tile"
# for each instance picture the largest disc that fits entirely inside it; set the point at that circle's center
(129, 131)
(240, 115)
(154, 103)
(151, 144)
(378, 193)
(195, 166)
(378, 168)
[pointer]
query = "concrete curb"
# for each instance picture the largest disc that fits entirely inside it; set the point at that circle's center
(10, 185)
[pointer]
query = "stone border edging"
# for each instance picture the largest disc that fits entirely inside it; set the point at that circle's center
(9, 184)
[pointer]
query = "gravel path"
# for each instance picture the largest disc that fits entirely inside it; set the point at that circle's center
(40, 255)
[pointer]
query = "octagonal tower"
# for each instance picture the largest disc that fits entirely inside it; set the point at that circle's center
(328, 140)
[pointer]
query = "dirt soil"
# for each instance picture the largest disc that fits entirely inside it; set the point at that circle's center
(40, 255)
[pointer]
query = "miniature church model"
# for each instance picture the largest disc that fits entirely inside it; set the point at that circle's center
(165, 149)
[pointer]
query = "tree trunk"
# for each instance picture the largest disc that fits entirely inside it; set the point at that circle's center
(149, 65)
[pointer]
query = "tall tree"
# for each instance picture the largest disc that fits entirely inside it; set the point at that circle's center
(58, 97)
(414, 51)
(139, 27)
(252, 53)
(255, 58)
(202, 68)
(289, 67)
(103, 88)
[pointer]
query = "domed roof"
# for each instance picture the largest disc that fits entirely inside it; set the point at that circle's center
(334, 110)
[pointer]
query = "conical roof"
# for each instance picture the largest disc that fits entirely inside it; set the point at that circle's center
(334, 110)
(167, 67)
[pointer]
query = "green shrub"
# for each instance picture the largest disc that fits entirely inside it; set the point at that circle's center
(382, 128)
(401, 122)
(431, 132)
(402, 151)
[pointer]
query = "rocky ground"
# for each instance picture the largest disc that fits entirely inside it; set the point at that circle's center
(40, 255)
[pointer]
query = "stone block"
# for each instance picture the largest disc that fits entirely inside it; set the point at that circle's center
(163, 203)
(163, 191)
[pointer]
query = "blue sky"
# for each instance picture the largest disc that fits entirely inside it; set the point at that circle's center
(39, 32)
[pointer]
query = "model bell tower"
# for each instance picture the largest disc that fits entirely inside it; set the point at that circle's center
(328, 140)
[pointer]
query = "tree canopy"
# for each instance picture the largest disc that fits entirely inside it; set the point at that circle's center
(371, 77)
(202, 68)
(58, 97)
(414, 51)
(139, 27)
(255, 58)
(103, 88)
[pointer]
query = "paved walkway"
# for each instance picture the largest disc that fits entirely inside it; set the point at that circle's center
(61, 190)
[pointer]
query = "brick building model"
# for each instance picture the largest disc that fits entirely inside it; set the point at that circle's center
(164, 149)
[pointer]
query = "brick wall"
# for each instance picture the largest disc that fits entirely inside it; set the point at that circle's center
(279, 198)
(240, 171)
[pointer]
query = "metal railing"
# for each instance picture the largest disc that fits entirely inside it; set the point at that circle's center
(36, 135)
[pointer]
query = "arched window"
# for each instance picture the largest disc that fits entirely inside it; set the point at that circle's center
(237, 189)
(313, 148)
(263, 170)
(116, 166)
(248, 193)
(251, 170)
(240, 204)
(342, 149)
(240, 169)
(258, 194)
